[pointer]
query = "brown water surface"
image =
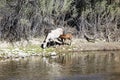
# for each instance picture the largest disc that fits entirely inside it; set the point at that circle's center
(71, 66)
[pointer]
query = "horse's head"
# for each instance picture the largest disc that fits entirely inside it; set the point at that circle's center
(43, 44)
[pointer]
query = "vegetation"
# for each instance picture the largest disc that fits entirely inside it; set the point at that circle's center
(25, 19)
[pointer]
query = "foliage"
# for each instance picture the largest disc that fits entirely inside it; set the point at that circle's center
(24, 19)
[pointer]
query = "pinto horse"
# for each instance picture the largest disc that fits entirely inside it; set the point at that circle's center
(52, 36)
(64, 37)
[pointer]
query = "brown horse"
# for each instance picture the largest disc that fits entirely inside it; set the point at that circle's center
(64, 37)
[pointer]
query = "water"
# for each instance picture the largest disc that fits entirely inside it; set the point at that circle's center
(71, 66)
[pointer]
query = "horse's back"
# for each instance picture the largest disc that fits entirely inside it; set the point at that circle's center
(56, 33)
(66, 36)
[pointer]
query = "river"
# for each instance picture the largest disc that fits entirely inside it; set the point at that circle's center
(97, 65)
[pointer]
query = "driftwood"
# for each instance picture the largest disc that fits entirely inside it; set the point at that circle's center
(89, 39)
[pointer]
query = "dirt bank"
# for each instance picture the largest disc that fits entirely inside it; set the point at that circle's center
(24, 48)
(97, 46)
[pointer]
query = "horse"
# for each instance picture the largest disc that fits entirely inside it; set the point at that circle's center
(64, 37)
(52, 36)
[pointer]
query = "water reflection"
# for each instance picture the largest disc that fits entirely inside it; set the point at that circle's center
(72, 66)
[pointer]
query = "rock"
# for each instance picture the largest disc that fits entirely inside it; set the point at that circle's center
(22, 54)
(53, 54)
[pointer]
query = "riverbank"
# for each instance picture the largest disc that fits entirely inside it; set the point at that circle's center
(32, 48)
(83, 45)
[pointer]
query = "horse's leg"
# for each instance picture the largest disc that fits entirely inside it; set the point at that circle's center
(59, 39)
(44, 45)
(49, 44)
(54, 43)
(70, 41)
(63, 41)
